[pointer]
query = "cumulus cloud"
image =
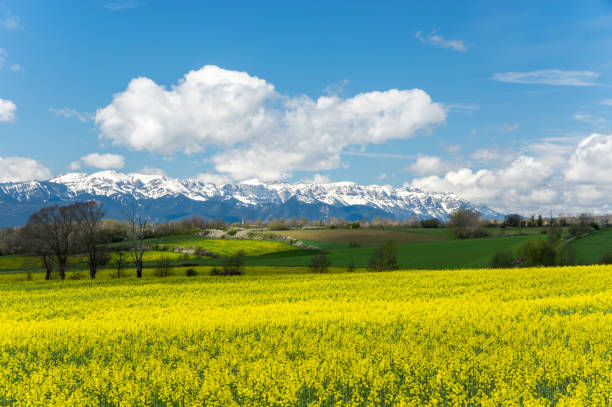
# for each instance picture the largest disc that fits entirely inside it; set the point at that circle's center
(7, 110)
(68, 113)
(257, 131)
(441, 42)
(211, 178)
(102, 161)
(317, 179)
(550, 77)
(590, 163)
(17, 169)
(523, 182)
(428, 164)
(565, 175)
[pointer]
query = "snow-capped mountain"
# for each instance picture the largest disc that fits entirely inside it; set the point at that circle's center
(165, 198)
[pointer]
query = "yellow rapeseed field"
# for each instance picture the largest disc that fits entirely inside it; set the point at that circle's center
(531, 337)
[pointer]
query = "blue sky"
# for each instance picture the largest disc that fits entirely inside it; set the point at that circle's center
(512, 107)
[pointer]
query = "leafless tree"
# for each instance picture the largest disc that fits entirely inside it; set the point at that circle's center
(88, 216)
(52, 232)
(137, 226)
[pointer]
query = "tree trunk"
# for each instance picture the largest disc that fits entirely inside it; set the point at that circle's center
(92, 272)
(139, 270)
(48, 267)
(48, 274)
(62, 270)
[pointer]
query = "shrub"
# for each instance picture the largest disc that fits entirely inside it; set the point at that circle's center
(232, 232)
(215, 271)
(537, 252)
(465, 223)
(594, 225)
(188, 265)
(191, 272)
(319, 263)
(385, 257)
(354, 245)
(164, 267)
(351, 266)
(233, 265)
(606, 258)
(355, 225)
(502, 260)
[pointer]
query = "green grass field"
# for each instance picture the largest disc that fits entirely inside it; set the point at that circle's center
(590, 249)
(426, 255)
(337, 238)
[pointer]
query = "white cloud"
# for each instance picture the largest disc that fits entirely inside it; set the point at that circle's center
(607, 102)
(590, 163)
(441, 42)
(259, 132)
(317, 179)
(428, 164)
(15, 67)
(561, 174)
(7, 110)
(469, 107)
(336, 89)
(103, 161)
(518, 185)
(550, 77)
(382, 177)
(3, 55)
(152, 171)
(68, 113)
(217, 179)
(17, 169)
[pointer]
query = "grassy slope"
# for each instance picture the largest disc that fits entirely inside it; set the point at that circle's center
(223, 247)
(429, 255)
(590, 249)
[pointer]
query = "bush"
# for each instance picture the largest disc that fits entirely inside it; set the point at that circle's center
(354, 245)
(594, 225)
(606, 258)
(502, 260)
(215, 271)
(355, 225)
(384, 258)
(191, 272)
(164, 267)
(465, 223)
(233, 265)
(351, 266)
(537, 252)
(319, 264)
(232, 232)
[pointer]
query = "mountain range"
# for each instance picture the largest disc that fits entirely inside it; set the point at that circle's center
(165, 198)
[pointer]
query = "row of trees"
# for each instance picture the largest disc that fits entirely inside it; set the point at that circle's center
(56, 232)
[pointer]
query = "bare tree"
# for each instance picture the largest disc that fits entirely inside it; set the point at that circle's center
(53, 233)
(465, 223)
(88, 216)
(137, 225)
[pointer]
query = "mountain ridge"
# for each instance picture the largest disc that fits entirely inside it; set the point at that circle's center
(171, 198)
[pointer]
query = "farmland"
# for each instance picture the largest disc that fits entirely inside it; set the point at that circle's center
(467, 337)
